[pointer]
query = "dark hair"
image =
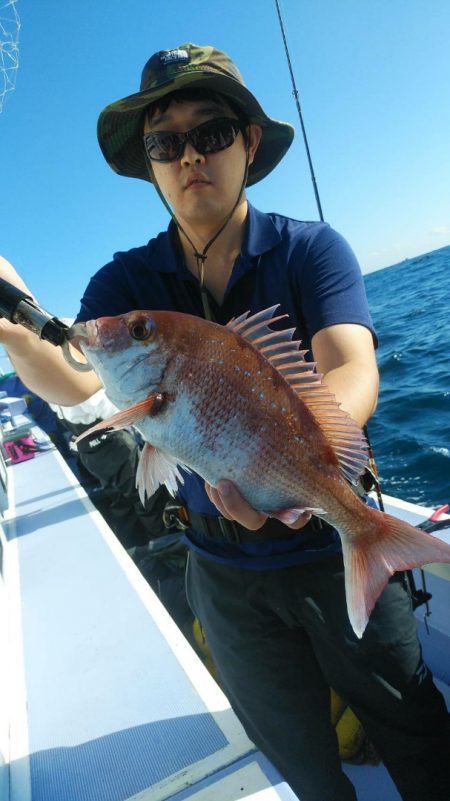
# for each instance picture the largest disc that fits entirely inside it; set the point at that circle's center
(186, 95)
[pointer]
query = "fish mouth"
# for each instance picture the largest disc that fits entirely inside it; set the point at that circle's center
(77, 334)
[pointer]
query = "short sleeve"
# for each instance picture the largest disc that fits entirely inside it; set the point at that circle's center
(330, 283)
(108, 293)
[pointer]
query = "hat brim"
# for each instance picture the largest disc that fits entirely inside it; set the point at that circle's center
(120, 126)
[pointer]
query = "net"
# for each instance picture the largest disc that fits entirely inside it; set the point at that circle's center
(9, 47)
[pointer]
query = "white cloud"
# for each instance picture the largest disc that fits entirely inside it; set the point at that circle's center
(440, 231)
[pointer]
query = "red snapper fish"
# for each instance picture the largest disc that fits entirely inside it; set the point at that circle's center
(240, 402)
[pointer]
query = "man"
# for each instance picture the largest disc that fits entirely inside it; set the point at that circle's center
(272, 603)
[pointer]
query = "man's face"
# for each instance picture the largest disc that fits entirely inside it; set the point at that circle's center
(201, 189)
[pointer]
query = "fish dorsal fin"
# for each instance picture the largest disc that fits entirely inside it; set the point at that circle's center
(283, 353)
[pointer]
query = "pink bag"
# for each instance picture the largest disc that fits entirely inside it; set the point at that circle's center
(19, 450)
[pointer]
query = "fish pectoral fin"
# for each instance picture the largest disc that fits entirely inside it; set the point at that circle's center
(156, 468)
(127, 417)
(391, 545)
(289, 516)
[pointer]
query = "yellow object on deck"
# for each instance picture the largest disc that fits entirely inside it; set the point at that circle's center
(352, 740)
(354, 745)
(202, 648)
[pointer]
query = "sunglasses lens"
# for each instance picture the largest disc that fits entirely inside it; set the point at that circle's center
(209, 137)
(214, 136)
(163, 146)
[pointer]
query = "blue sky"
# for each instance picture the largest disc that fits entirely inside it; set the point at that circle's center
(373, 75)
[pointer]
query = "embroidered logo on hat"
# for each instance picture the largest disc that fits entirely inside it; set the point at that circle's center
(174, 56)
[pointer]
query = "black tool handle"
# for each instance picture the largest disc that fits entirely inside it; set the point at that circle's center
(10, 297)
(18, 307)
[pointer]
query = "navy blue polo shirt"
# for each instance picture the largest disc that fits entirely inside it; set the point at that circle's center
(305, 267)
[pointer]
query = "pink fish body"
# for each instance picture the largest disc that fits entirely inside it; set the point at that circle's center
(239, 402)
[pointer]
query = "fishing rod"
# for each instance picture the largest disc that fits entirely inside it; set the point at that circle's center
(370, 478)
(372, 465)
(296, 94)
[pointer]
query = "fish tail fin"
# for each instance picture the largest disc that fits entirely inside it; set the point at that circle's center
(390, 545)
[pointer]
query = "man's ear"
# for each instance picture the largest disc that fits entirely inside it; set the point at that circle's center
(254, 133)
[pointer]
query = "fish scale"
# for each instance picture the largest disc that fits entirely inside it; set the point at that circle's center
(261, 428)
(240, 402)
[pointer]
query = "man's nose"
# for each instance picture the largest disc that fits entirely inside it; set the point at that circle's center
(191, 156)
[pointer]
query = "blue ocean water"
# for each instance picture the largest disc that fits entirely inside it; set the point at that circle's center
(410, 431)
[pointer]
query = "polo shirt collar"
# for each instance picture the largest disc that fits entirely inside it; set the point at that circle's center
(261, 235)
(168, 253)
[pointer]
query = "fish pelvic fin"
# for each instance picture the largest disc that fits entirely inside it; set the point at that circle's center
(156, 468)
(390, 546)
(284, 354)
(127, 417)
(290, 516)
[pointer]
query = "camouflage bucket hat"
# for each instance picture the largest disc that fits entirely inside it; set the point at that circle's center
(120, 125)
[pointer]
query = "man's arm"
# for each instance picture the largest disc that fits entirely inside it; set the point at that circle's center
(40, 365)
(345, 355)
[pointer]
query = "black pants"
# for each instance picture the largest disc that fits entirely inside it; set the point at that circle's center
(112, 458)
(281, 638)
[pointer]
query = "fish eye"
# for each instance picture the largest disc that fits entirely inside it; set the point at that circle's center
(141, 329)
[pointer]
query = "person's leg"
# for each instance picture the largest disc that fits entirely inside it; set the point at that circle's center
(270, 676)
(384, 680)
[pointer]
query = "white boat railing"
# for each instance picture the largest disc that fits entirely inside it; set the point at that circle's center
(106, 700)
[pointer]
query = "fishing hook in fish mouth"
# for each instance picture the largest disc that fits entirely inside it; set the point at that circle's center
(77, 330)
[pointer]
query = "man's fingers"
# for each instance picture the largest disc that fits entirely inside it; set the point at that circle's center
(214, 497)
(301, 521)
(235, 507)
(230, 504)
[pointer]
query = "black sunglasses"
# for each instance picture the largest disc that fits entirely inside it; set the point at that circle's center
(209, 137)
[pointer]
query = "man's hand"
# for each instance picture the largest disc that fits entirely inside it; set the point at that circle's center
(11, 334)
(231, 505)
(40, 365)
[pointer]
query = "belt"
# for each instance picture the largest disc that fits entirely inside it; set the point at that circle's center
(222, 530)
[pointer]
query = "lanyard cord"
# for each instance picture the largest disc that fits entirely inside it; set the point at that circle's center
(201, 257)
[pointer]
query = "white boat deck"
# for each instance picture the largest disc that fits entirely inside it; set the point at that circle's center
(104, 698)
